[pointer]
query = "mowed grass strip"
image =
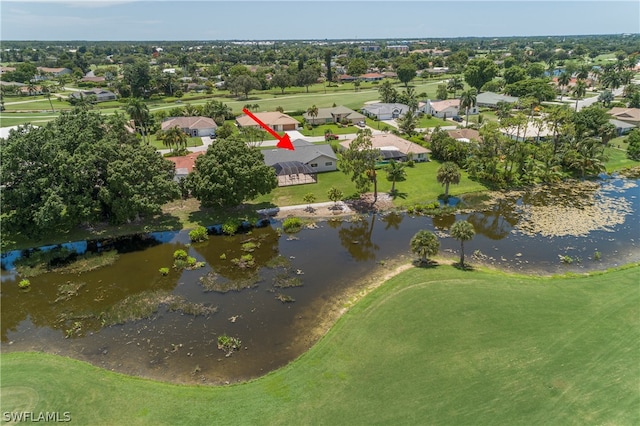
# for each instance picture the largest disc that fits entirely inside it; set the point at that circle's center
(430, 346)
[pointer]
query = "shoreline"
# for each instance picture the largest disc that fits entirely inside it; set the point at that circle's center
(331, 313)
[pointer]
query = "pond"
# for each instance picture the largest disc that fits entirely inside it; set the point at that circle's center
(278, 293)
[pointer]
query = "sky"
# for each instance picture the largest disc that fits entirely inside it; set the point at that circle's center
(280, 20)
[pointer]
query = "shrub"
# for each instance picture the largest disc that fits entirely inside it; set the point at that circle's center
(199, 234)
(180, 255)
(25, 283)
(597, 255)
(292, 224)
(164, 271)
(230, 227)
(229, 344)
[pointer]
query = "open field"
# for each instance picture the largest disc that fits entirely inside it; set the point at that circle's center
(431, 346)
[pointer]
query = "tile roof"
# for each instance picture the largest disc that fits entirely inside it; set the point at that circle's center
(620, 113)
(444, 104)
(187, 161)
(386, 140)
(269, 118)
(189, 122)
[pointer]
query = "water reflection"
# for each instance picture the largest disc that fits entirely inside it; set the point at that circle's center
(327, 261)
(355, 236)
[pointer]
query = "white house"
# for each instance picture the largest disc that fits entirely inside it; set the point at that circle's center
(192, 126)
(446, 109)
(382, 111)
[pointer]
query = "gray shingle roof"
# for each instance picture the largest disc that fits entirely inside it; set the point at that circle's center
(304, 152)
(491, 98)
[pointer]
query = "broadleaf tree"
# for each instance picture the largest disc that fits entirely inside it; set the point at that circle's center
(230, 173)
(80, 168)
(359, 161)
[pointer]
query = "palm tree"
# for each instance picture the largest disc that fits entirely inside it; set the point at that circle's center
(454, 85)
(463, 231)
(47, 94)
(606, 97)
(139, 113)
(395, 173)
(579, 91)
(468, 100)
(175, 136)
(448, 173)
(425, 243)
(563, 82)
(312, 112)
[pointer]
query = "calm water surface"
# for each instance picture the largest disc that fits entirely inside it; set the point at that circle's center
(329, 261)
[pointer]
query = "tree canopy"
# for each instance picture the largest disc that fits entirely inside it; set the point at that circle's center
(480, 71)
(229, 173)
(80, 168)
(359, 161)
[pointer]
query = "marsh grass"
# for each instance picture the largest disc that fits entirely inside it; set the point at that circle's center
(68, 290)
(284, 280)
(63, 261)
(214, 282)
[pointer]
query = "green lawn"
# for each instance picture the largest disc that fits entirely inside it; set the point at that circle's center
(191, 141)
(430, 346)
(420, 187)
(618, 159)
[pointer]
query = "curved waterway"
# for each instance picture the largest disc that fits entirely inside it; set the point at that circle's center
(289, 291)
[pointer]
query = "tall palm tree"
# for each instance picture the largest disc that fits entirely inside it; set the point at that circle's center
(468, 100)
(579, 91)
(312, 112)
(448, 173)
(563, 82)
(139, 113)
(425, 243)
(395, 172)
(462, 231)
(47, 94)
(454, 85)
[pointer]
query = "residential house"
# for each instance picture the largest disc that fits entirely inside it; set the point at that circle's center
(101, 95)
(6, 69)
(383, 111)
(396, 148)
(338, 114)
(301, 165)
(465, 135)
(390, 74)
(372, 76)
(534, 132)
(277, 121)
(192, 126)
(30, 90)
(346, 78)
(622, 127)
(491, 99)
(94, 79)
(184, 164)
(446, 108)
(45, 72)
(629, 115)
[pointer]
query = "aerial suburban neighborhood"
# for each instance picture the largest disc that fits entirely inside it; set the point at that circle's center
(423, 228)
